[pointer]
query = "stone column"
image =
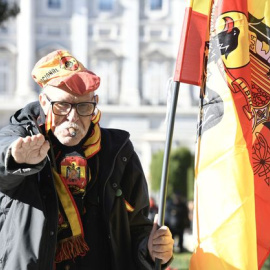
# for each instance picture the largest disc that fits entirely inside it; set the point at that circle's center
(26, 51)
(130, 76)
(79, 31)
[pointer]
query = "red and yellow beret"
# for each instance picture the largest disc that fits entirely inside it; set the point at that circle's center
(59, 68)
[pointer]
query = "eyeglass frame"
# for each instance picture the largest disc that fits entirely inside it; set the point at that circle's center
(71, 106)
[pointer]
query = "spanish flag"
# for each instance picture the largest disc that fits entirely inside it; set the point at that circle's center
(232, 170)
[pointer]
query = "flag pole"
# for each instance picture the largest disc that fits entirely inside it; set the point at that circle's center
(165, 167)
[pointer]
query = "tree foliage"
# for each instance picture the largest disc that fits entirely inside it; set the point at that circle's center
(156, 170)
(181, 172)
(8, 10)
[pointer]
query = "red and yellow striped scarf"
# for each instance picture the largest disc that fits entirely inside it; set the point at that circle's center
(75, 245)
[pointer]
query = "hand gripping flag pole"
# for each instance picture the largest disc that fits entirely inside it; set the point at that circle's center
(164, 176)
(188, 69)
(169, 136)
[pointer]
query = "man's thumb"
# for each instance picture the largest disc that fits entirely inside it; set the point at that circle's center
(155, 225)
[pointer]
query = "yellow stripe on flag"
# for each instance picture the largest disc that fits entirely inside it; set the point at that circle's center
(224, 223)
(201, 6)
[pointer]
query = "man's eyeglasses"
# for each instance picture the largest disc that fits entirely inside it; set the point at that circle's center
(63, 108)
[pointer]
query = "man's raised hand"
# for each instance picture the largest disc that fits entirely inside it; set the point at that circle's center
(30, 150)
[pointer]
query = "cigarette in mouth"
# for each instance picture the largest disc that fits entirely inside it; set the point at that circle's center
(72, 132)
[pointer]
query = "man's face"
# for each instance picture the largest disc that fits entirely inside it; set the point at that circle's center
(62, 124)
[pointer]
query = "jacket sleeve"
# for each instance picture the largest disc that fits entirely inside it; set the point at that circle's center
(140, 224)
(11, 173)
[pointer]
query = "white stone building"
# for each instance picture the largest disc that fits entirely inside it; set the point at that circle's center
(131, 44)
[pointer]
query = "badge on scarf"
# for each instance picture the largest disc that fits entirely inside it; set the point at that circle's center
(74, 172)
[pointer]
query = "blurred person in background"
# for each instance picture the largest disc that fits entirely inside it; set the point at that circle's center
(177, 218)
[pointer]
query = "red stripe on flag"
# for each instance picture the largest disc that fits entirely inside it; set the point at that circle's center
(189, 64)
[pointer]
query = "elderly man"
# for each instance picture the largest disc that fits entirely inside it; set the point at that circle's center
(72, 195)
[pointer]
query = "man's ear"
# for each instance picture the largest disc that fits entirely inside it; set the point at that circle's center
(44, 103)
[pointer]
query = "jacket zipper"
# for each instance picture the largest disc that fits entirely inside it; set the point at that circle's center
(104, 188)
(105, 183)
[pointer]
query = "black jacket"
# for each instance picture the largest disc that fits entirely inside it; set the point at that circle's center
(29, 205)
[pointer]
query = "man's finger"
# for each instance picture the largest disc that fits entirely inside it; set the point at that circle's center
(45, 148)
(162, 231)
(155, 225)
(163, 239)
(26, 142)
(40, 138)
(17, 144)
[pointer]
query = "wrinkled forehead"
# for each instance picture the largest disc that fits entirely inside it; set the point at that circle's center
(58, 94)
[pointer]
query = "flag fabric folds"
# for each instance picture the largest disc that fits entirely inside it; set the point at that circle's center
(232, 170)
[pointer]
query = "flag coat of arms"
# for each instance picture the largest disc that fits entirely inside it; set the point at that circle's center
(232, 170)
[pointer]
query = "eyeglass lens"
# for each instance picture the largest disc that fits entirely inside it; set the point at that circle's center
(83, 108)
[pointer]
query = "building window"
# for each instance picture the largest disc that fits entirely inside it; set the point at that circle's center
(3, 29)
(156, 73)
(54, 4)
(4, 75)
(3, 82)
(109, 92)
(107, 66)
(105, 5)
(54, 31)
(155, 4)
(157, 8)
(54, 8)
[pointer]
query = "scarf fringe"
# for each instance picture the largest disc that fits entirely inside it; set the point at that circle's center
(70, 248)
